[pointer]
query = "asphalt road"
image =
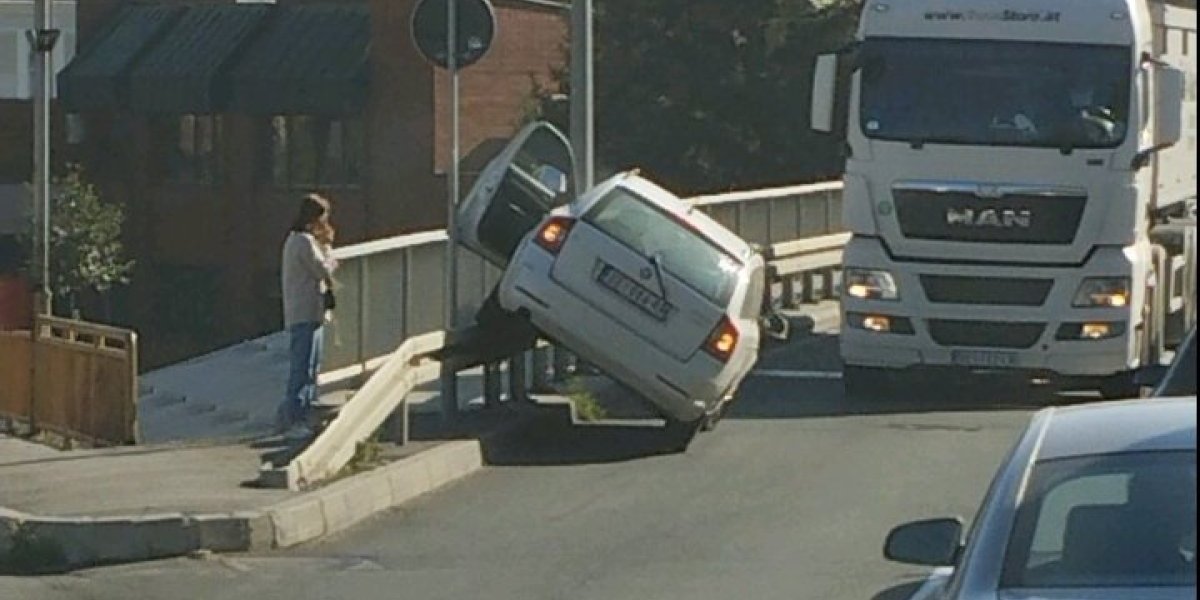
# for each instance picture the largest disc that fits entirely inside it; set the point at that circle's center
(790, 498)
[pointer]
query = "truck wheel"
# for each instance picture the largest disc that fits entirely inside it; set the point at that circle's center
(678, 435)
(1120, 386)
(867, 383)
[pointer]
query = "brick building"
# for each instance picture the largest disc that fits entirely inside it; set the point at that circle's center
(209, 119)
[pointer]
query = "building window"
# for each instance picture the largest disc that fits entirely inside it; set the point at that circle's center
(307, 151)
(193, 148)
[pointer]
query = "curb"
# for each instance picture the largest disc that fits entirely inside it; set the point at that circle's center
(60, 544)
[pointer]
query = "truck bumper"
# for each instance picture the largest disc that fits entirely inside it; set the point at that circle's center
(1032, 336)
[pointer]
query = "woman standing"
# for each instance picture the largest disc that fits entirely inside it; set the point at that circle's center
(307, 277)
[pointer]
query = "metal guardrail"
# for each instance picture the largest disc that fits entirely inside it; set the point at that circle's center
(390, 290)
(390, 306)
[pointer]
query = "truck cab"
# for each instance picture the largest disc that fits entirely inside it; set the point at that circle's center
(1020, 186)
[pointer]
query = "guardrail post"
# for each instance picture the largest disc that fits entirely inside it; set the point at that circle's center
(491, 385)
(540, 382)
(788, 299)
(395, 428)
(562, 363)
(829, 288)
(809, 295)
(518, 382)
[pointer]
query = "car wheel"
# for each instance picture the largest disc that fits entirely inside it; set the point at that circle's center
(1120, 386)
(711, 420)
(678, 435)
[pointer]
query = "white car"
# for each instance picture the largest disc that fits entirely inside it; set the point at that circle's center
(633, 279)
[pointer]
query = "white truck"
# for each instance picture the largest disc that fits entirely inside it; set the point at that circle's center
(1020, 187)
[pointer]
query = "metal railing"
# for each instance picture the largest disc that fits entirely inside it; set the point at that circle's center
(390, 290)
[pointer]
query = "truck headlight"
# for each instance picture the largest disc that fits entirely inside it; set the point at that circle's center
(867, 284)
(1103, 292)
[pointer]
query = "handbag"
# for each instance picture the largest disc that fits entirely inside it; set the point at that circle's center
(330, 300)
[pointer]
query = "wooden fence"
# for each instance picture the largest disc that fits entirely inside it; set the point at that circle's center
(81, 384)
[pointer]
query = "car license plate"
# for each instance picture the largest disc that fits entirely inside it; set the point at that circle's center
(983, 358)
(633, 292)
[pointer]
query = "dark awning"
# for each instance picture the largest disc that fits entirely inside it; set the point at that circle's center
(96, 78)
(182, 72)
(310, 59)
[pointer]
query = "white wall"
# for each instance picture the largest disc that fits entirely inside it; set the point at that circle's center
(16, 17)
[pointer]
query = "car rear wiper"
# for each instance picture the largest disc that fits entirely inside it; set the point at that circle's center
(656, 262)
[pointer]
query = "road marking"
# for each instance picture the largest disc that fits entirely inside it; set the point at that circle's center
(784, 374)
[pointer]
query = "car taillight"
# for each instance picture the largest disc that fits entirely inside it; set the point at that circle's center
(723, 340)
(553, 234)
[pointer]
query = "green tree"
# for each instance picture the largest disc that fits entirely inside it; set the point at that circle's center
(86, 253)
(706, 95)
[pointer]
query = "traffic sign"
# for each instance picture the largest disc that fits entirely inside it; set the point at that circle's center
(476, 30)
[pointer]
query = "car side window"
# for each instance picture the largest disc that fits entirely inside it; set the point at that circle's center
(1119, 520)
(1051, 528)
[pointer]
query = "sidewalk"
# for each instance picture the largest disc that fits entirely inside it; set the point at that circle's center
(66, 510)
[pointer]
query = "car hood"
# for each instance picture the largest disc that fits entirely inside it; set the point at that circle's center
(1145, 593)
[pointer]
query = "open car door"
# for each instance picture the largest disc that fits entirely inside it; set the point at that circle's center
(530, 178)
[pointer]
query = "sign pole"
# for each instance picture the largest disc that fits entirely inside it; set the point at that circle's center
(42, 41)
(449, 375)
(583, 122)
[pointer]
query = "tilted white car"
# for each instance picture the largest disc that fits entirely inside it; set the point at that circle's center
(633, 279)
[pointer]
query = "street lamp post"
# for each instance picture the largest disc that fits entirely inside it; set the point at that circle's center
(42, 40)
(449, 375)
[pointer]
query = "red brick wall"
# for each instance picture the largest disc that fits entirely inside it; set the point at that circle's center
(496, 92)
(234, 230)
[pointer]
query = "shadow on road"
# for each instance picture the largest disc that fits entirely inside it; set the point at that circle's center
(803, 379)
(529, 435)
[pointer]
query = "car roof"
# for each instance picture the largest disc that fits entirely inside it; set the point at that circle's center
(708, 226)
(1148, 425)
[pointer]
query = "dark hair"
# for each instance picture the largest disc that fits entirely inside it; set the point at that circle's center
(312, 208)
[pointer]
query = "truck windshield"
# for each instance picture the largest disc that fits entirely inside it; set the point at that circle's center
(995, 93)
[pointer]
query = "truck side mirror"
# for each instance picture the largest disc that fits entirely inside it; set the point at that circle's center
(824, 91)
(1169, 92)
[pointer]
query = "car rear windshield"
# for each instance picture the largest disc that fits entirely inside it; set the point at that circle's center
(1111, 521)
(664, 239)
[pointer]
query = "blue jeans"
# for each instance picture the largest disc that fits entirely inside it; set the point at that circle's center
(306, 349)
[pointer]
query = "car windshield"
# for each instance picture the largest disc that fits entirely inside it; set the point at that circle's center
(667, 242)
(1124, 520)
(995, 93)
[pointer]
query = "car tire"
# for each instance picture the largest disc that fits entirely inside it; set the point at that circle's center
(678, 435)
(1121, 386)
(710, 421)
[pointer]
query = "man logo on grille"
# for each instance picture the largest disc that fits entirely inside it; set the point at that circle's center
(997, 218)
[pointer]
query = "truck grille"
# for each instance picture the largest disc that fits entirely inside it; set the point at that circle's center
(944, 289)
(964, 216)
(985, 334)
